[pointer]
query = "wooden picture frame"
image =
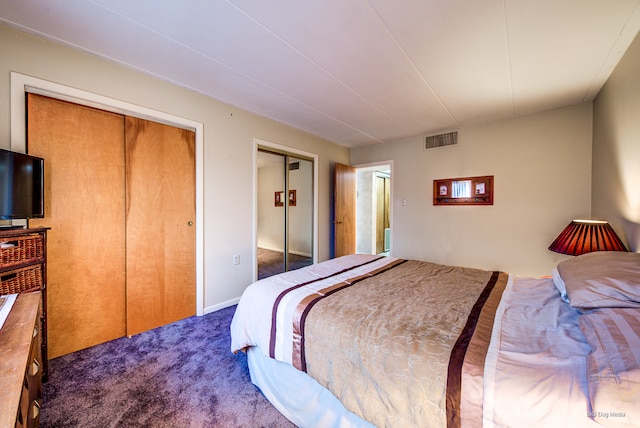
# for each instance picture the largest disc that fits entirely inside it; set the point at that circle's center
(481, 191)
(278, 199)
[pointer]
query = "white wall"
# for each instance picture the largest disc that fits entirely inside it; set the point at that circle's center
(542, 169)
(541, 164)
(229, 134)
(616, 149)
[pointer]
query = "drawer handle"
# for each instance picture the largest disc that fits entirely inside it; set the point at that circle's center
(8, 277)
(35, 367)
(35, 410)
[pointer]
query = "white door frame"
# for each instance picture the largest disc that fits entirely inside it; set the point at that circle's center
(372, 165)
(20, 84)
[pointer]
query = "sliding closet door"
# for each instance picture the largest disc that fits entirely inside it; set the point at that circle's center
(83, 150)
(270, 205)
(160, 230)
(122, 243)
(300, 213)
(285, 212)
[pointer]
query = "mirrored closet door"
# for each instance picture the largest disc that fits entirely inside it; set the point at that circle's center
(285, 212)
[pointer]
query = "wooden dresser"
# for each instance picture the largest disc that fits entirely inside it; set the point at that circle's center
(21, 363)
(23, 268)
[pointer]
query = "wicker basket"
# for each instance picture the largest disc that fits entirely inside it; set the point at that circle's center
(23, 249)
(22, 279)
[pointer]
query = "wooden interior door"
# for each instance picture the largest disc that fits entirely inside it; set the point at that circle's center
(160, 230)
(83, 150)
(382, 211)
(345, 210)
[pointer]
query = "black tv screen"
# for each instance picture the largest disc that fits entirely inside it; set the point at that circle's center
(21, 186)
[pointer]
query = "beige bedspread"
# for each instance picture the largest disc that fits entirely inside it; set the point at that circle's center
(383, 345)
(387, 336)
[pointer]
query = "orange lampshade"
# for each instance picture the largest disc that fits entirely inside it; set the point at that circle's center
(585, 236)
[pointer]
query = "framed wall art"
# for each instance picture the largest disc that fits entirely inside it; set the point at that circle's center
(279, 199)
(463, 191)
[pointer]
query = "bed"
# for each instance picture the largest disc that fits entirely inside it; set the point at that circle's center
(362, 341)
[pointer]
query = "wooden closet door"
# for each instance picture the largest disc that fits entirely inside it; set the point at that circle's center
(383, 189)
(160, 216)
(83, 149)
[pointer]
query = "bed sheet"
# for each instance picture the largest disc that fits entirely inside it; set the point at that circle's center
(535, 372)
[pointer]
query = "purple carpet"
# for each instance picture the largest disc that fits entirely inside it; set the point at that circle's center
(179, 375)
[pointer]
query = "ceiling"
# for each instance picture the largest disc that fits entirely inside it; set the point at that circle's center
(356, 72)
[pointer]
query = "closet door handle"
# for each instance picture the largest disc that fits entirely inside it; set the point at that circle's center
(189, 223)
(8, 276)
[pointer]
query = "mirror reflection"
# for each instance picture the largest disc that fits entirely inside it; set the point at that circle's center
(461, 189)
(284, 212)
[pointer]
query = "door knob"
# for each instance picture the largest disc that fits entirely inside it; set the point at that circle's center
(189, 223)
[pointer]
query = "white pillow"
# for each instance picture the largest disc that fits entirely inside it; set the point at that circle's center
(602, 279)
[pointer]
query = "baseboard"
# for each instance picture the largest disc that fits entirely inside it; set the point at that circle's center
(209, 309)
(280, 250)
(300, 253)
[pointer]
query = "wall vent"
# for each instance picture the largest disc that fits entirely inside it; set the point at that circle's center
(441, 140)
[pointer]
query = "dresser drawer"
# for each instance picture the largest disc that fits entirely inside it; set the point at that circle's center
(20, 250)
(21, 279)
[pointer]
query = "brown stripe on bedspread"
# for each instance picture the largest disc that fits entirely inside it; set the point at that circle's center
(274, 312)
(466, 363)
(302, 310)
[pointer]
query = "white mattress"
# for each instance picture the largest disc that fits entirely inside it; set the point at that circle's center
(298, 397)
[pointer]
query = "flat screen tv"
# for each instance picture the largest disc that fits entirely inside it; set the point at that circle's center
(21, 186)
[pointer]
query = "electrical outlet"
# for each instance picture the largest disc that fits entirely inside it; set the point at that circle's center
(236, 259)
